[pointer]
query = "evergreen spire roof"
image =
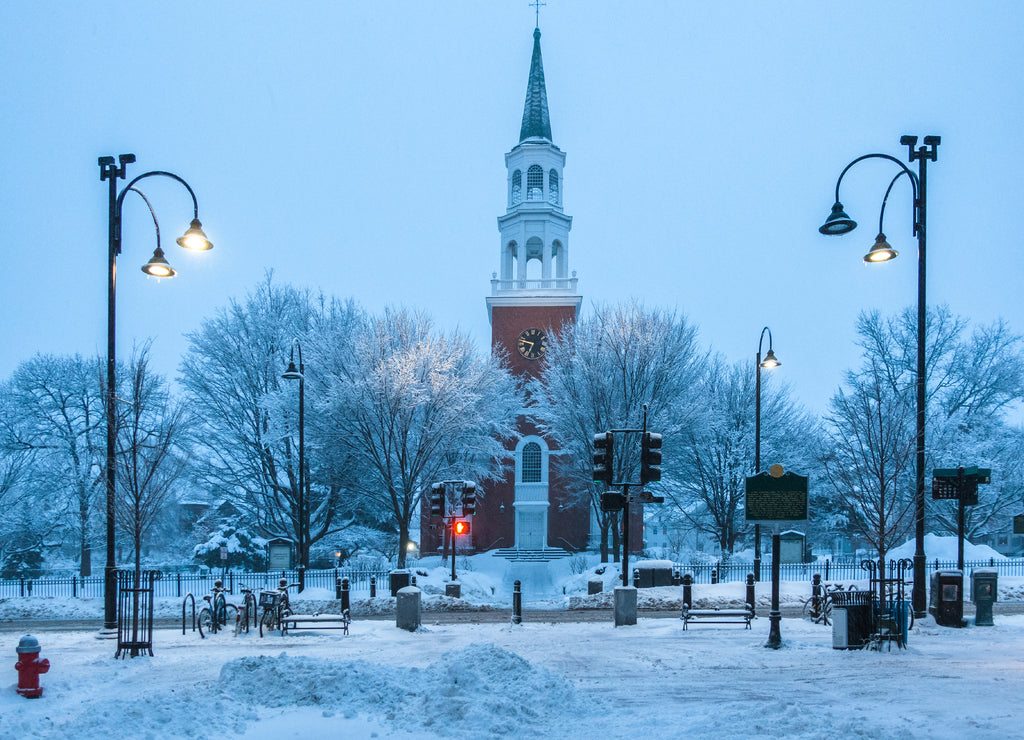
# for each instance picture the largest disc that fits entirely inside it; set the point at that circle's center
(535, 112)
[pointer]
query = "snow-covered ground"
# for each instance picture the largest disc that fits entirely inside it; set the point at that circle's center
(534, 680)
(578, 680)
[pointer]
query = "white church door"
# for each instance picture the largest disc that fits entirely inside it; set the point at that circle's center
(531, 530)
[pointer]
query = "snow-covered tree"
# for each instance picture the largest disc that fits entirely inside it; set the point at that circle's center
(973, 377)
(713, 457)
(411, 405)
(246, 446)
(55, 414)
(599, 374)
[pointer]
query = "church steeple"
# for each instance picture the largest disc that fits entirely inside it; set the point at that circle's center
(533, 268)
(536, 122)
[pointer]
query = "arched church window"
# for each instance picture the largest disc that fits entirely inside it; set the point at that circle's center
(535, 183)
(553, 186)
(531, 463)
(517, 187)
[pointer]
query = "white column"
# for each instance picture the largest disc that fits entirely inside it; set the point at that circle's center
(546, 262)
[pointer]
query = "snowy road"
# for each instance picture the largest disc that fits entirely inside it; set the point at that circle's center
(537, 680)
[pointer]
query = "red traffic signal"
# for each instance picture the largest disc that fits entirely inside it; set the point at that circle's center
(460, 526)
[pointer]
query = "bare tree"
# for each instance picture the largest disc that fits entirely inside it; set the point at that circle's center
(599, 374)
(414, 405)
(152, 457)
(868, 458)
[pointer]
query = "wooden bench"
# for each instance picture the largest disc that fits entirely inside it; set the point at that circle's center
(316, 621)
(718, 616)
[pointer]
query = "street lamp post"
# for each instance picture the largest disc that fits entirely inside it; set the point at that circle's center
(194, 239)
(839, 223)
(768, 363)
(291, 373)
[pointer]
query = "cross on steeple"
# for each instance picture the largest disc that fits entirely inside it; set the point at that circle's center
(536, 5)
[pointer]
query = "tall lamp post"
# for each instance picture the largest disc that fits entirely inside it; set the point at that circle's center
(839, 223)
(768, 363)
(194, 239)
(293, 373)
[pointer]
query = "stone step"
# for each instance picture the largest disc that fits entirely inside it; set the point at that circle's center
(533, 556)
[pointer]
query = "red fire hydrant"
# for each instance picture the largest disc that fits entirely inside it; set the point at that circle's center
(29, 667)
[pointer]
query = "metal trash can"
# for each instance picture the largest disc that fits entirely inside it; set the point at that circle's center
(851, 619)
(399, 580)
(946, 598)
(984, 593)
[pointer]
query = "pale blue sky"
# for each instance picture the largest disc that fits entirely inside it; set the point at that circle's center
(358, 148)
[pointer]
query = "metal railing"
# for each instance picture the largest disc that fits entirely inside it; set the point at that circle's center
(845, 570)
(178, 584)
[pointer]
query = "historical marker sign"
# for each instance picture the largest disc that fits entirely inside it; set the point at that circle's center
(780, 498)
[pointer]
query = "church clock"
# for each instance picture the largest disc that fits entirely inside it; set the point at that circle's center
(533, 343)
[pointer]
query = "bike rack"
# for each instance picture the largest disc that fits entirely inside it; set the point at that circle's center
(184, 606)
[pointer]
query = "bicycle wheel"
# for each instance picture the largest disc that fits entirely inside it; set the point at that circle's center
(229, 614)
(826, 611)
(266, 621)
(205, 622)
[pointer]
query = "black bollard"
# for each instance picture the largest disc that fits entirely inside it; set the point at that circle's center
(826, 569)
(517, 603)
(751, 600)
(337, 588)
(815, 595)
(714, 575)
(344, 595)
(636, 578)
(373, 587)
(688, 590)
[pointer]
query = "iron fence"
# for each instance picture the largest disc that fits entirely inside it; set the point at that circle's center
(844, 570)
(179, 584)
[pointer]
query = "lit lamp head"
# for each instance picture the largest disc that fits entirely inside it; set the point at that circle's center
(837, 222)
(194, 238)
(157, 266)
(880, 251)
(770, 361)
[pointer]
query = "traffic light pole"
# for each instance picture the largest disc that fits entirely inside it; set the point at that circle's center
(625, 536)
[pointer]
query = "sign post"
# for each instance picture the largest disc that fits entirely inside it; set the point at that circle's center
(960, 485)
(776, 496)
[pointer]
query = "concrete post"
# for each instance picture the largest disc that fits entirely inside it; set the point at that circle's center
(407, 609)
(625, 605)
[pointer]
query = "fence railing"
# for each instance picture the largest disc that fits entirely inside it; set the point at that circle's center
(179, 584)
(846, 570)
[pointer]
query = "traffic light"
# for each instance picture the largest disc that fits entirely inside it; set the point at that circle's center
(437, 500)
(469, 498)
(613, 501)
(604, 463)
(650, 457)
(460, 526)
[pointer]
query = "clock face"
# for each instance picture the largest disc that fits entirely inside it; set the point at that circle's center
(532, 344)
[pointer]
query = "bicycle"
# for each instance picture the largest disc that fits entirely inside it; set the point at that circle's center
(215, 615)
(274, 605)
(246, 612)
(818, 608)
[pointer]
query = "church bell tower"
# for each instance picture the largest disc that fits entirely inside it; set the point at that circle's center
(533, 295)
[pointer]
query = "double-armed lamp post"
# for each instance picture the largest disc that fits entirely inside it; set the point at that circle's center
(839, 223)
(193, 239)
